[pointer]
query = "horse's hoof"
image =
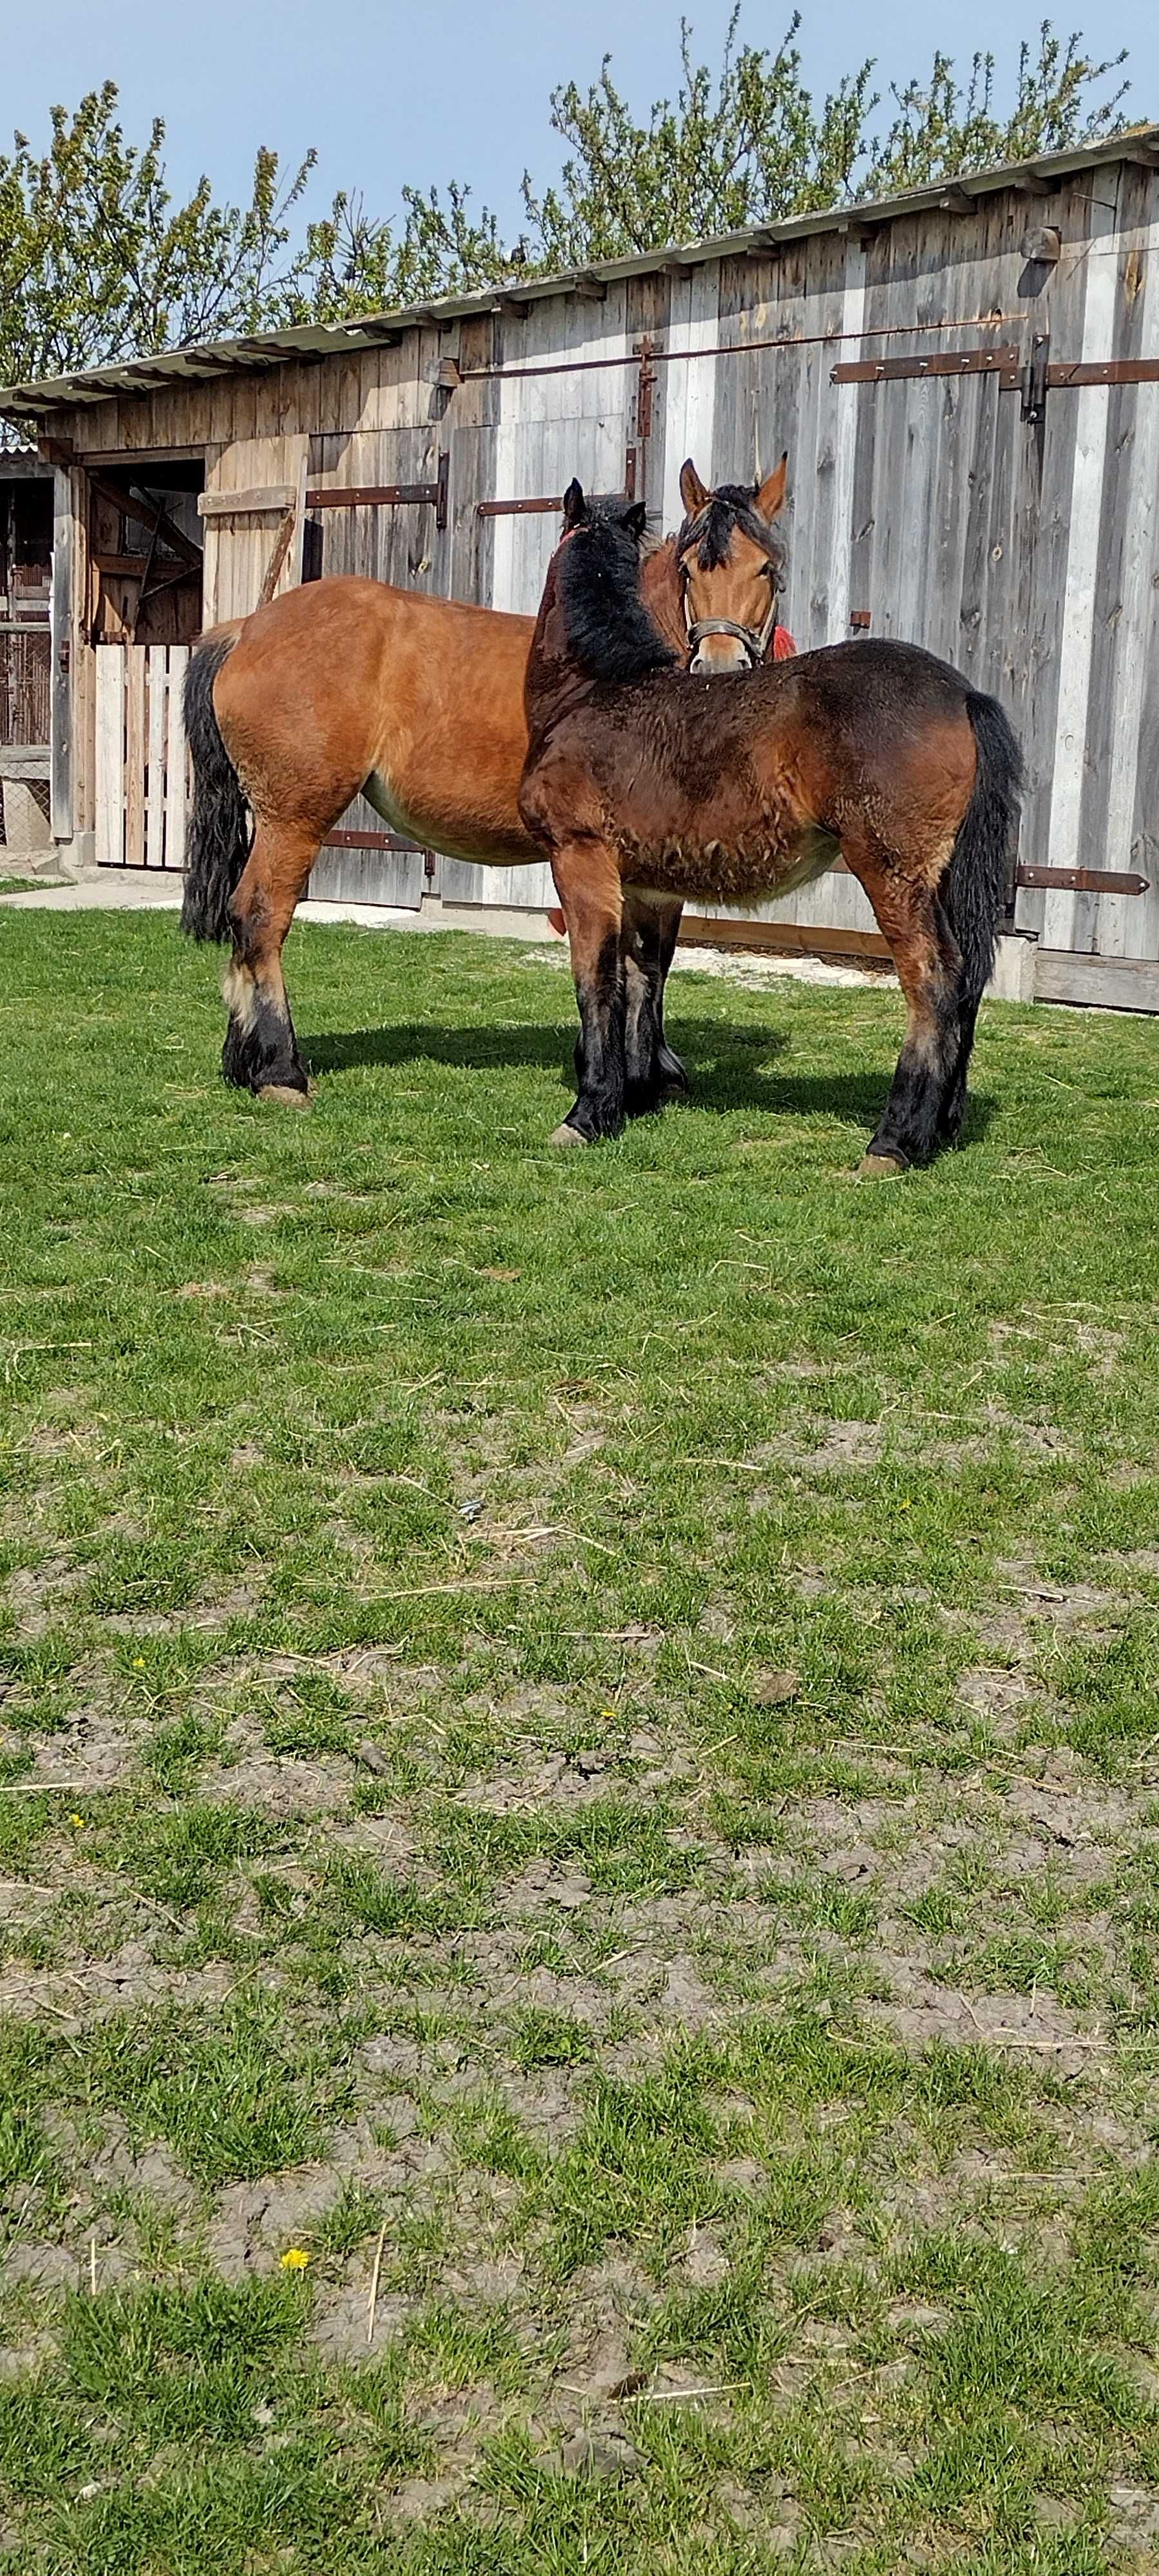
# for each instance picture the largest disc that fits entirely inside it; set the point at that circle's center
(566, 1135)
(284, 1093)
(880, 1167)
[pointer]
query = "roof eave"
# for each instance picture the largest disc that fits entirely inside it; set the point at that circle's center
(30, 402)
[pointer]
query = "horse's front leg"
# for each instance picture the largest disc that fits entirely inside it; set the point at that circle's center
(651, 924)
(261, 1049)
(588, 884)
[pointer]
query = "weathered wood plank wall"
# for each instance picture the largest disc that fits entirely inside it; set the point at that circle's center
(926, 506)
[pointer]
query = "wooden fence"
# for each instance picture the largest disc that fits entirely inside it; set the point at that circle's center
(142, 780)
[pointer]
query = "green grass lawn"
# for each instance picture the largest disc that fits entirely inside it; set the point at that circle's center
(579, 1788)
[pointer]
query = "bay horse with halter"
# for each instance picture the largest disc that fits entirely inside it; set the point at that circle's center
(639, 776)
(347, 686)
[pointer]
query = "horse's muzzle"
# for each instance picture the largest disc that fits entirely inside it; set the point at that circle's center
(749, 647)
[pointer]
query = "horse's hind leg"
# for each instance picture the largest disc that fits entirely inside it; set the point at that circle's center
(261, 1051)
(953, 1108)
(588, 884)
(929, 969)
(648, 940)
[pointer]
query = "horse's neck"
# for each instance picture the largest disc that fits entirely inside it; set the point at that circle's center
(660, 592)
(553, 684)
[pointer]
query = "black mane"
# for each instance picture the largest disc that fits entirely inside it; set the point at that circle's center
(608, 628)
(711, 529)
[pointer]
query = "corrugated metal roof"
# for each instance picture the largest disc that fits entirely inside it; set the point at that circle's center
(30, 402)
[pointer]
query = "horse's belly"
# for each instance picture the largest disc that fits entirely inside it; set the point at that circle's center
(394, 813)
(755, 870)
(480, 835)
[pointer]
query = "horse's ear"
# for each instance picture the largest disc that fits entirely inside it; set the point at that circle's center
(771, 497)
(694, 494)
(635, 519)
(575, 508)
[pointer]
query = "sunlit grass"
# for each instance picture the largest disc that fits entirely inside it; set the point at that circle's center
(578, 1788)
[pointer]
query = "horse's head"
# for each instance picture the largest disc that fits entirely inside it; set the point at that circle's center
(592, 613)
(730, 562)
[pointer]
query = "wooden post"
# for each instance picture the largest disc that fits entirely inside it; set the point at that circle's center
(135, 754)
(110, 755)
(62, 654)
(176, 760)
(282, 543)
(156, 669)
(299, 536)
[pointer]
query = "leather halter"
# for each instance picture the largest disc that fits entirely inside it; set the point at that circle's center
(755, 640)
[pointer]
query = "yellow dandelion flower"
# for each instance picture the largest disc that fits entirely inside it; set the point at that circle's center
(295, 2258)
(138, 1663)
(607, 1712)
(78, 1820)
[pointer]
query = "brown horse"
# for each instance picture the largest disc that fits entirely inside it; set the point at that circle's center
(346, 686)
(638, 776)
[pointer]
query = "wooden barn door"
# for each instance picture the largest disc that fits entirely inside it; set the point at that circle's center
(1004, 516)
(252, 513)
(144, 606)
(1088, 878)
(925, 446)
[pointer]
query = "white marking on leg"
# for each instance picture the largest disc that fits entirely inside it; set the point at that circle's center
(240, 995)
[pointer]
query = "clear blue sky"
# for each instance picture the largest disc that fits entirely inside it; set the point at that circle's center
(455, 88)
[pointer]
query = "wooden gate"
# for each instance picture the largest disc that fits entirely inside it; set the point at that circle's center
(25, 658)
(25, 684)
(142, 770)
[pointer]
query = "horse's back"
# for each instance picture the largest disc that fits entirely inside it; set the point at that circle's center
(347, 604)
(344, 678)
(879, 672)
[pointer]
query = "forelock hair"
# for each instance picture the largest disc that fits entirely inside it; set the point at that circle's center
(711, 529)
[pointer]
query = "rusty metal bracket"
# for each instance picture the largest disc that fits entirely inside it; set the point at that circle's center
(1035, 377)
(543, 502)
(386, 496)
(636, 453)
(1112, 371)
(1083, 880)
(370, 841)
(1001, 361)
(517, 509)
(645, 389)
(369, 496)
(1039, 377)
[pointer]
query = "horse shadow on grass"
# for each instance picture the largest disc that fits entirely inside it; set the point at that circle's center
(730, 1068)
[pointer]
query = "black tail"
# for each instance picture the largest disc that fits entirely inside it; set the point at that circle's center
(975, 883)
(219, 836)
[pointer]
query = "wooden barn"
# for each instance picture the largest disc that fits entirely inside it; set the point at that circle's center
(967, 382)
